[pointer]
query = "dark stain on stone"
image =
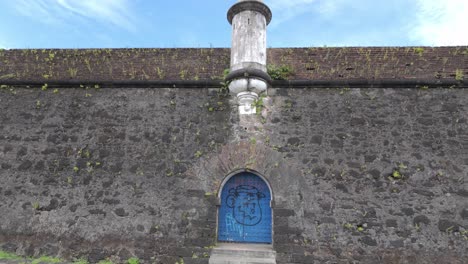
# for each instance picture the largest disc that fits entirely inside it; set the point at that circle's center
(25, 165)
(421, 219)
(121, 212)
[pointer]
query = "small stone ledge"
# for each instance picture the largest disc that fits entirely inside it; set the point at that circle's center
(216, 83)
(234, 253)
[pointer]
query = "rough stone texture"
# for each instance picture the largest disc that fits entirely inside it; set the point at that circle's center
(135, 172)
(105, 172)
(100, 65)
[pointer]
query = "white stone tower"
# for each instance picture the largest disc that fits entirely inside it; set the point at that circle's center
(248, 76)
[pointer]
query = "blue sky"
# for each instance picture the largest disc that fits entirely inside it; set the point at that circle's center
(202, 23)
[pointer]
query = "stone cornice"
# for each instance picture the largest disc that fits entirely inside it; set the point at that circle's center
(252, 6)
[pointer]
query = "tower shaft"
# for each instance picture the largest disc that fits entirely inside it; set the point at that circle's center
(248, 75)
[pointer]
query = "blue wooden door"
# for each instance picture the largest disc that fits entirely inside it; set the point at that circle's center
(245, 212)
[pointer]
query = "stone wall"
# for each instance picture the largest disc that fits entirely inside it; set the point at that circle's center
(358, 175)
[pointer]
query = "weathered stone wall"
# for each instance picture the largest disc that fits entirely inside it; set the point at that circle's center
(122, 172)
(347, 143)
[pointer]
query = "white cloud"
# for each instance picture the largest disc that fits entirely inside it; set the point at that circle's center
(288, 4)
(284, 10)
(114, 12)
(37, 9)
(441, 22)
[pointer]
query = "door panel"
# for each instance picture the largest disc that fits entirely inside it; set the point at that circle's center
(245, 212)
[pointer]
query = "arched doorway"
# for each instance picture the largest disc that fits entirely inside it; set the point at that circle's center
(245, 212)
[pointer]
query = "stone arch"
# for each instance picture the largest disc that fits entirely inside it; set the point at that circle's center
(282, 175)
(235, 172)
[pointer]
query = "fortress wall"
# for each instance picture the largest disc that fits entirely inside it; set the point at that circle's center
(124, 171)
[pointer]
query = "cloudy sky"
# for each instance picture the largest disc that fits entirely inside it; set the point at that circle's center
(202, 23)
